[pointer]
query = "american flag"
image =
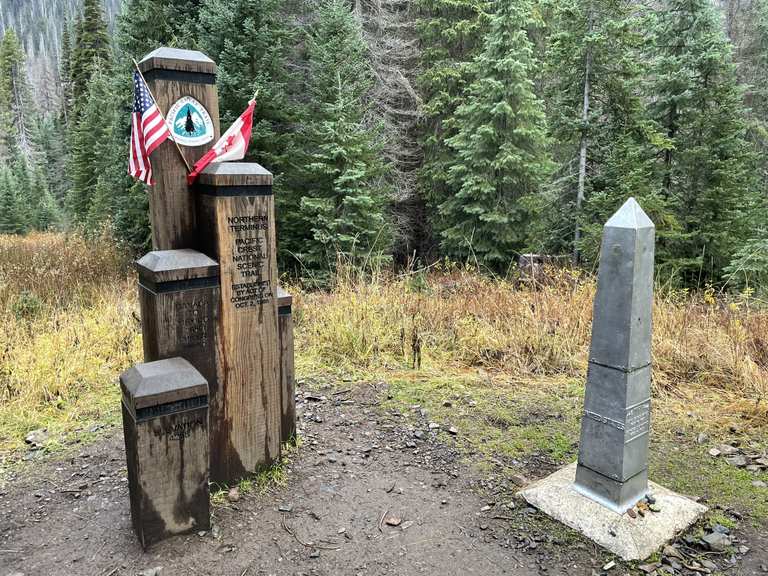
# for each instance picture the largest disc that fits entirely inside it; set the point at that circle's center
(148, 131)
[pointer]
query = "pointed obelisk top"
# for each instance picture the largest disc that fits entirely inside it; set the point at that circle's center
(630, 215)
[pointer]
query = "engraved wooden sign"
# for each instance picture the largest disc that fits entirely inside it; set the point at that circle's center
(237, 207)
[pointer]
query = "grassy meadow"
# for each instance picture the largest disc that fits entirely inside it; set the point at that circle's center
(503, 361)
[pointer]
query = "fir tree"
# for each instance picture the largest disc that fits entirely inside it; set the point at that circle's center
(603, 138)
(148, 24)
(16, 107)
(10, 219)
(500, 148)
(345, 212)
(706, 172)
(65, 72)
(92, 154)
(450, 33)
(91, 49)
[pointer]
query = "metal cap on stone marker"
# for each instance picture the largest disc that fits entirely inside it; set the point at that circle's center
(613, 452)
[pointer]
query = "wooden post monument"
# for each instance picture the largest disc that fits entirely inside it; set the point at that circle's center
(208, 291)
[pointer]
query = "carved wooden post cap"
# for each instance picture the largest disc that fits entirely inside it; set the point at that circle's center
(234, 174)
(162, 382)
(176, 60)
(193, 268)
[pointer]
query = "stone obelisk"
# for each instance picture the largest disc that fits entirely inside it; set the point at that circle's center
(613, 452)
(611, 475)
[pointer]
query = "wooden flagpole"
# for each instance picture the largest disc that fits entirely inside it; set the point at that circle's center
(170, 129)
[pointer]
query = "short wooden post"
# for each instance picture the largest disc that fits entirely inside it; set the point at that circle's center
(165, 423)
(183, 83)
(287, 374)
(179, 301)
(237, 212)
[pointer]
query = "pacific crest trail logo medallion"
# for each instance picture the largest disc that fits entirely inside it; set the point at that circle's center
(190, 122)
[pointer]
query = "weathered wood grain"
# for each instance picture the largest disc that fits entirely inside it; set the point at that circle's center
(237, 212)
(287, 374)
(171, 74)
(165, 425)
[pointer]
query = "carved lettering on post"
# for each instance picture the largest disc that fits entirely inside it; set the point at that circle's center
(236, 206)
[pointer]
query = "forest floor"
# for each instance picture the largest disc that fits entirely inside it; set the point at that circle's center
(366, 461)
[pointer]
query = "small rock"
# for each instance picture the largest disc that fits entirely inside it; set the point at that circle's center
(392, 520)
(672, 552)
(285, 508)
(434, 426)
(727, 449)
(714, 452)
(483, 527)
(743, 549)
(759, 484)
(485, 508)
(518, 480)
(216, 532)
(315, 553)
(708, 564)
(447, 403)
(452, 431)
(721, 529)
(702, 438)
(648, 568)
(37, 437)
(202, 533)
(610, 565)
(234, 494)
(739, 461)
(764, 567)
(654, 507)
(716, 542)
(151, 571)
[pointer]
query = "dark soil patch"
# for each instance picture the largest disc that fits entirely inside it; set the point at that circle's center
(357, 463)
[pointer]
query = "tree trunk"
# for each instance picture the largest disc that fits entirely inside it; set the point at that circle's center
(583, 143)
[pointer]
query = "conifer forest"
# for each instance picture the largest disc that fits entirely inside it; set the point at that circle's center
(404, 131)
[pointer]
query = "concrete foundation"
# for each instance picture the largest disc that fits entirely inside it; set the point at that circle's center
(627, 537)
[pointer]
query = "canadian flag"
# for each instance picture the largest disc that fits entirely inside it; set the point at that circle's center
(232, 145)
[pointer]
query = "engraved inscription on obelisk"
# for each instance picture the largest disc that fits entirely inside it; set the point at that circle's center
(613, 452)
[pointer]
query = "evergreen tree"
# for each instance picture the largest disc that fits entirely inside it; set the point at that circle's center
(345, 210)
(147, 24)
(603, 139)
(500, 148)
(65, 72)
(16, 107)
(92, 155)
(10, 220)
(251, 42)
(451, 34)
(91, 49)
(254, 47)
(707, 171)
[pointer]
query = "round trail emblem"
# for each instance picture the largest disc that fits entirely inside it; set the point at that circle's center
(190, 122)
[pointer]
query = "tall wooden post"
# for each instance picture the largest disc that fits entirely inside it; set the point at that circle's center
(183, 83)
(236, 208)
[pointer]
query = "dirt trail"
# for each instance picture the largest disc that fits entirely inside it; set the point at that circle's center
(358, 462)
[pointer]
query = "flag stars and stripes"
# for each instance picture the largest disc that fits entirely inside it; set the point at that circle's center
(148, 131)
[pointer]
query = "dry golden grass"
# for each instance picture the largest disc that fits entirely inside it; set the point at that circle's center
(706, 352)
(69, 327)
